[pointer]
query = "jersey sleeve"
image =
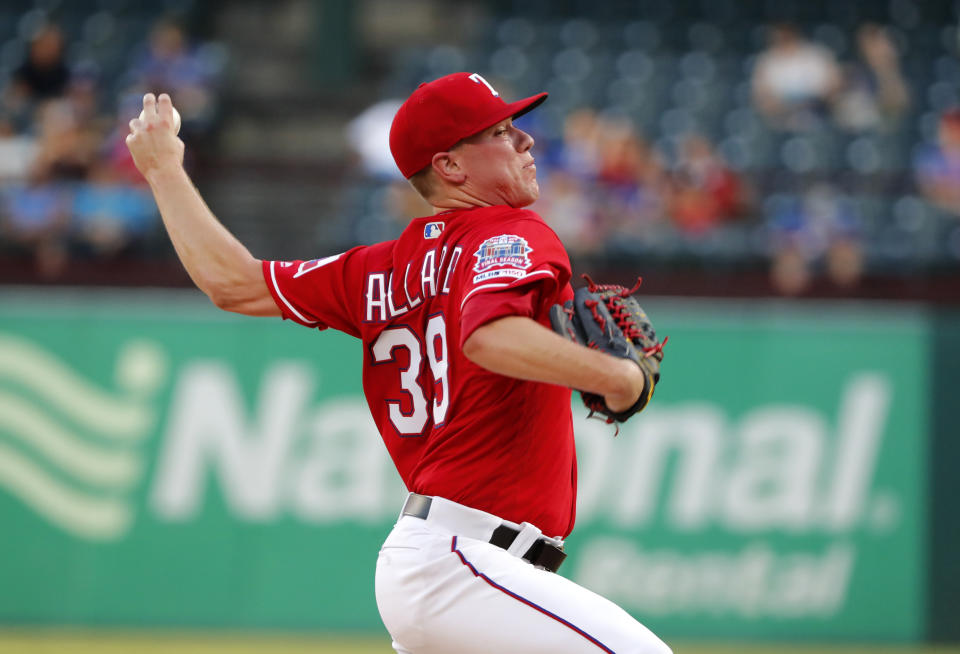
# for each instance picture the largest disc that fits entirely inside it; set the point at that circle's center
(314, 293)
(487, 307)
(517, 267)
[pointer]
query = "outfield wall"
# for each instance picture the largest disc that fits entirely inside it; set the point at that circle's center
(166, 464)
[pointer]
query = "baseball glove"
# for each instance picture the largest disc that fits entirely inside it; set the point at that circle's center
(606, 317)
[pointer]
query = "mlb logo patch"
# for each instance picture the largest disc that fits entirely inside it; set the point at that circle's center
(506, 250)
(432, 230)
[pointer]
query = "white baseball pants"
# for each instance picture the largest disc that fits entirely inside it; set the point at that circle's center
(440, 591)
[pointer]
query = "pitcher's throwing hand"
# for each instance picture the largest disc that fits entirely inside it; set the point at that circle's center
(153, 140)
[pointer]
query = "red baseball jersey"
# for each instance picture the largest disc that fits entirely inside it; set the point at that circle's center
(453, 429)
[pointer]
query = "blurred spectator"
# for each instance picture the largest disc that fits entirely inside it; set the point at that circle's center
(938, 167)
(606, 185)
(874, 94)
(82, 97)
(565, 206)
(66, 147)
(819, 227)
(631, 216)
(632, 184)
(110, 215)
(580, 150)
(17, 152)
(170, 64)
(705, 191)
(43, 75)
(34, 219)
(794, 80)
(369, 136)
(383, 213)
(623, 157)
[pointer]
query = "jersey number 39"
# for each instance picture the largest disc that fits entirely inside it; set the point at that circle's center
(412, 424)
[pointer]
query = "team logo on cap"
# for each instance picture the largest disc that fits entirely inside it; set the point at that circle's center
(432, 230)
(504, 251)
(476, 77)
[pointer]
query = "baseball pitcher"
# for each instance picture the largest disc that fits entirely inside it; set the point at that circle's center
(473, 338)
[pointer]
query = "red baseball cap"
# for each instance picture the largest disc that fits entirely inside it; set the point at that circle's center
(441, 113)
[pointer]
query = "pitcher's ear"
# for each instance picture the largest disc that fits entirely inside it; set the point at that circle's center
(447, 167)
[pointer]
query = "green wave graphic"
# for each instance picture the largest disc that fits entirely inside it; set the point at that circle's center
(88, 517)
(55, 382)
(83, 461)
(77, 484)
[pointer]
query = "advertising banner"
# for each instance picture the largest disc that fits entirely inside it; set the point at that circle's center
(163, 463)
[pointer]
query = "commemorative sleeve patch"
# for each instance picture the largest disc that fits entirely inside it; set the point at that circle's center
(506, 255)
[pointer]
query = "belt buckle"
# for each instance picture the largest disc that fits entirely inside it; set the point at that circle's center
(417, 506)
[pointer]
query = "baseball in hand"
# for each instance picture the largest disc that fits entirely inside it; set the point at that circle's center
(176, 119)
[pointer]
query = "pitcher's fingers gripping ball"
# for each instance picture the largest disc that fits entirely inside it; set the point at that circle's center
(175, 120)
(153, 138)
(608, 318)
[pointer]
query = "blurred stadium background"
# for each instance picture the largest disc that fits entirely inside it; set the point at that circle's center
(785, 174)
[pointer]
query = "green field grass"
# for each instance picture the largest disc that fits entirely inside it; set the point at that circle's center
(68, 642)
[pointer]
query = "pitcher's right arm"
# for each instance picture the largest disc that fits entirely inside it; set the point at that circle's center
(216, 261)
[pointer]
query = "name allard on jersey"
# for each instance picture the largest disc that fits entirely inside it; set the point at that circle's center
(381, 305)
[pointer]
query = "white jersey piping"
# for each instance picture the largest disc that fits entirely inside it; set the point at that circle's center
(483, 286)
(276, 287)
